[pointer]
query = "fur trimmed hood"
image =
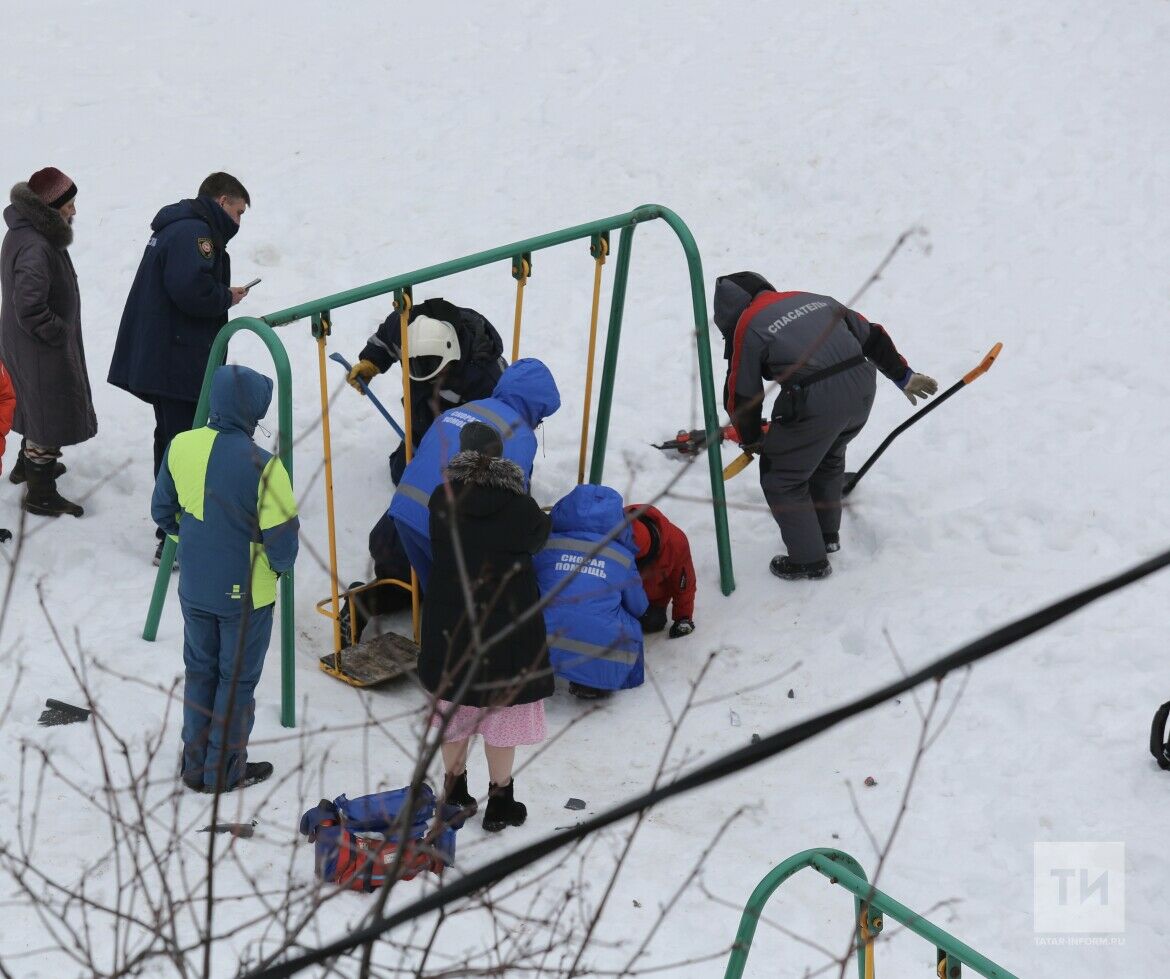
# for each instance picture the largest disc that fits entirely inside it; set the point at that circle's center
(38, 215)
(476, 469)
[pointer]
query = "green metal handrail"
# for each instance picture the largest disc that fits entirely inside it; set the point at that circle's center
(162, 580)
(950, 953)
(511, 253)
(626, 223)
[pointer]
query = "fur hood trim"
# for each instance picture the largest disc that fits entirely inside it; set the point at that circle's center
(43, 218)
(480, 470)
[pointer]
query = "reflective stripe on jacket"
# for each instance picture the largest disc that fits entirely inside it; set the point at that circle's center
(229, 502)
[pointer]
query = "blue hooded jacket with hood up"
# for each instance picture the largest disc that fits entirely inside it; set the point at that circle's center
(229, 502)
(178, 302)
(524, 396)
(594, 635)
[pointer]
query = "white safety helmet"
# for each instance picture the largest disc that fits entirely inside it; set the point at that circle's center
(433, 345)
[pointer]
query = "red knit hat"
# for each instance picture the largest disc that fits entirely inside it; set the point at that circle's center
(52, 187)
(641, 538)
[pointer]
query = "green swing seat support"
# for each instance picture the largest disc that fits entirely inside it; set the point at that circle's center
(517, 255)
(871, 906)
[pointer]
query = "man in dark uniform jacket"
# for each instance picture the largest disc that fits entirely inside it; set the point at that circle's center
(177, 304)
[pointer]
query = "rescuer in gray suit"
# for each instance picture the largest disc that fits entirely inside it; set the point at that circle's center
(824, 355)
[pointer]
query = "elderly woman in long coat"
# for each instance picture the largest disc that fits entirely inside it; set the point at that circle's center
(40, 336)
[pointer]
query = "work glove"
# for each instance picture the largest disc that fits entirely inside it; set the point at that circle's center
(363, 370)
(682, 627)
(919, 386)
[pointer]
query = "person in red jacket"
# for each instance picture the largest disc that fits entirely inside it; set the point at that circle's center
(668, 575)
(7, 411)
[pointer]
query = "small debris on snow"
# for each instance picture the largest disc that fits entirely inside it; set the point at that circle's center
(637, 903)
(791, 694)
(59, 712)
(755, 739)
(734, 718)
(836, 836)
(575, 804)
(870, 781)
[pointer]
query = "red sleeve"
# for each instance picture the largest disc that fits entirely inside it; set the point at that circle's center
(7, 409)
(682, 585)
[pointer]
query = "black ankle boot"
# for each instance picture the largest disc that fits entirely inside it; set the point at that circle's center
(502, 809)
(41, 496)
(782, 567)
(458, 804)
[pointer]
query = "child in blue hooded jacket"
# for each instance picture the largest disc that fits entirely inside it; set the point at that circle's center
(594, 636)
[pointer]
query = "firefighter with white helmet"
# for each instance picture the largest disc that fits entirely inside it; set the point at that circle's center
(456, 356)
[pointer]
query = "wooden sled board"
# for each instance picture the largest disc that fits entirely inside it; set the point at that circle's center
(378, 660)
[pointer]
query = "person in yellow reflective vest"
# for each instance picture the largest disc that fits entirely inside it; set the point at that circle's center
(230, 505)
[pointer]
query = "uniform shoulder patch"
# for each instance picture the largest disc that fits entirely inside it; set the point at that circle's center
(206, 248)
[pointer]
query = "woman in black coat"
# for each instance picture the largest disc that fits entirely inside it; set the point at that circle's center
(484, 530)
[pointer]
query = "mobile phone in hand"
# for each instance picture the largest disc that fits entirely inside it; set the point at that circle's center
(252, 283)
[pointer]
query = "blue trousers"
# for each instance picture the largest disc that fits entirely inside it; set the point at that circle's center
(216, 649)
(418, 551)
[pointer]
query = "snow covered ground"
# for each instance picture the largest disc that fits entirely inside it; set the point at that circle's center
(1026, 140)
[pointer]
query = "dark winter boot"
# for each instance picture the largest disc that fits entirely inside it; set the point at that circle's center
(502, 809)
(832, 543)
(20, 471)
(350, 619)
(254, 773)
(158, 557)
(458, 804)
(653, 619)
(41, 496)
(781, 567)
(587, 693)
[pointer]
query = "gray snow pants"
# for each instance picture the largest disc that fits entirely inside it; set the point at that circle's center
(802, 469)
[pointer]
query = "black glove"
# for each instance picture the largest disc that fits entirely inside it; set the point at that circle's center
(682, 627)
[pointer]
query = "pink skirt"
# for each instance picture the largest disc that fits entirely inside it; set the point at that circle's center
(501, 727)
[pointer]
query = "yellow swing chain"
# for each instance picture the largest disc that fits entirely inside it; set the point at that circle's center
(322, 328)
(520, 272)
(602, 249)
(868, 929)
(408, 427)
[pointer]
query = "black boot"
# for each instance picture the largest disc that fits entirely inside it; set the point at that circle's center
(588, 693)
(20, 471)
(458, 804)
(782, 567)
(502, 809)
(41, 496)
(350, 619)
(654, 619)
(254, 773)
(158, 557)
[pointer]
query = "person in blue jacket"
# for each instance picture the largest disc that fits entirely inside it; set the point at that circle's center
(176, 306)
(594, 636)
(230, 505)
(524, 396)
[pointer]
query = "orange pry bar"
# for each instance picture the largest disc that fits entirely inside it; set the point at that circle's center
(984, 364)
